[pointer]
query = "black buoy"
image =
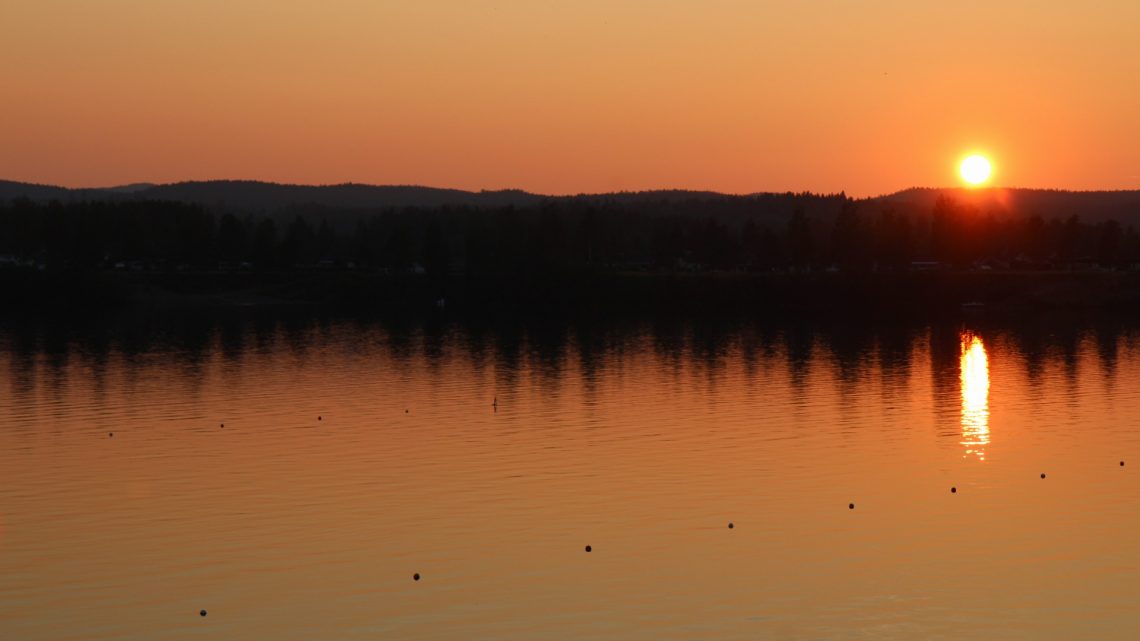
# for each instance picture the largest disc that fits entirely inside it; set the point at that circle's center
(1122, 464)
(851, 506)
(405, 411)
(730, 526)
(416, 576)
(221, 424)
(1042, 475)
(953, 490)
(320, 418)
(202, 613)
(589, 548)
(111, 434)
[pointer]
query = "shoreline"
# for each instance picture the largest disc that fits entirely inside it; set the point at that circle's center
(913, 292)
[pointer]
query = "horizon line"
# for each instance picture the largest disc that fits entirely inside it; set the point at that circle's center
(963, 188)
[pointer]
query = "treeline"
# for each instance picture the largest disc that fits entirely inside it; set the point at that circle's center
(551, 237)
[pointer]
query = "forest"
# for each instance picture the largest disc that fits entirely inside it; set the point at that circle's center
(799, 233)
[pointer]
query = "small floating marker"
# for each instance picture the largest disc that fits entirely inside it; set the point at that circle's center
(953, 490)
(320, 418)
(416, 576)
(1042, 475)
(589, 548)
(201, 613)
(851, 506)
(730, 526)
(405, 411)
(221, 424)
(1122, 464)
(110, 434)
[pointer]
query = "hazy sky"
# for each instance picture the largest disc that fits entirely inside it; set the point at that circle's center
(566, 96)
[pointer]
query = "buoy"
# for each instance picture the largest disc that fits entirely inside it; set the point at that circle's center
(953, 490)
(1042, 475)
(405, 411)
(589, 548)
(851, 506)
(202, 613)
(1122, 464)
(111, 434)
(221, 424)
(416, 576)
(320, 418)
(730, 526)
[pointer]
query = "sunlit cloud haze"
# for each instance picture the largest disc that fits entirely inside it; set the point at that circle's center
(567, 96)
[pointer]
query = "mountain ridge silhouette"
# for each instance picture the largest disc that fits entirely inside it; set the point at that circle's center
(261, 196)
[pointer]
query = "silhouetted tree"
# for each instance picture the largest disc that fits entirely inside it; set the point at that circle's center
(437, 260)
(550, 239)
(232, 239)
(326, 244)
(851, 240)
(1110, 237)
(265, 244)
(800, 242)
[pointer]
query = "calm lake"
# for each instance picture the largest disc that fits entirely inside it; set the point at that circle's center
(290, 476)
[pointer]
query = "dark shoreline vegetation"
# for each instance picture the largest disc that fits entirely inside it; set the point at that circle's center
(778, 294)
(659, 252)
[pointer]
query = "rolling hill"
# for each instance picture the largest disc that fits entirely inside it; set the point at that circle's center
(254, 196)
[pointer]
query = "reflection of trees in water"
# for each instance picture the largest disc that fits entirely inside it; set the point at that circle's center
(852, 350)
(507, 342)
(799, 342)
(21, 351)
(669, 340)
(1068, 340)
(399, 341)
(945, 345)
(435, 339)
(232, 335)
(42, 353)
(1064, 340)
(752, 349)
(547, 346)
(895, 350)
(710, 345)
(1031, 343)
(1108, 338)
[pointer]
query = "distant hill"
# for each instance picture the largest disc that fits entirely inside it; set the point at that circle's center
(1091, 206)
(253, 196)
(247, 195)
(11, 190)
(261, 196)
(342, 204)
(129, 189)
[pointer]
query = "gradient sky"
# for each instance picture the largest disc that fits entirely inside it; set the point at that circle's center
(567, 96)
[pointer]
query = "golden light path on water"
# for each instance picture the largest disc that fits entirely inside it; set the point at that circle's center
(975, 378)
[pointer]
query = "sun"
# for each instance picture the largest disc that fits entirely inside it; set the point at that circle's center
(975, 169)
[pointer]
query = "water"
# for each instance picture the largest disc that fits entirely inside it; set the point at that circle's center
(356, 454)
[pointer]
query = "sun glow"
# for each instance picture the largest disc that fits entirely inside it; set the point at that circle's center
(975, 378)
(975, 169)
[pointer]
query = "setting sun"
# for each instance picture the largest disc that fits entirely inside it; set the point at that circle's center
(975, 169)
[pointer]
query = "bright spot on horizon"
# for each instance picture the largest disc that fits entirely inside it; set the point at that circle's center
(975, 169)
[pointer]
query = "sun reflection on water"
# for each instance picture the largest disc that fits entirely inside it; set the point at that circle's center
(975, 375)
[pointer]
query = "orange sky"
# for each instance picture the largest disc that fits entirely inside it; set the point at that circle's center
(566, 96)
